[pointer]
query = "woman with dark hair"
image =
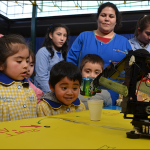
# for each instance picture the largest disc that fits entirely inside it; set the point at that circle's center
(53, 50)
(103, 41)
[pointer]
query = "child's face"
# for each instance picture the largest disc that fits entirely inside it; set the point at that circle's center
(66, 90)
(30, 68)
(17, 65)
(58, 37)
(91, 70)
(144, 36)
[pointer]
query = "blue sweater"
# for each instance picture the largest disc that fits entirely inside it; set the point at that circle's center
(135, 44)
(43, 65)
(87, 43)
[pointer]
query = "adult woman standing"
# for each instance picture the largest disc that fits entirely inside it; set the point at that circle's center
(141, 38)
(103, 41)
(54, 50)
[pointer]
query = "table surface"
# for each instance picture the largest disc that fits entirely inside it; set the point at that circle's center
(71, 131)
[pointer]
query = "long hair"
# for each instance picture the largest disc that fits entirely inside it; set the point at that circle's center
(142, 23)
(48, 41)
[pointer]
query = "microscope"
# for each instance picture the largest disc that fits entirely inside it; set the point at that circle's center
(136, 65)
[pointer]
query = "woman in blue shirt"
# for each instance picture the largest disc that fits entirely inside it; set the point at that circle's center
(54, 50)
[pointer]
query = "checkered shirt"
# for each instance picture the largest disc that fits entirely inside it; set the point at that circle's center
(17, 100)
(145, 96)
(45, 108)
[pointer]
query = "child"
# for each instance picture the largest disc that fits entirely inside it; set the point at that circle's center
(54, 50)
(91, 66)
(37, 91)
(142, 34)
(17, 98)
(65, 80)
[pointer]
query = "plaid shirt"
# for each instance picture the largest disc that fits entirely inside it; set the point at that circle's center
(17, 99)
(48, 107)
(145, 96)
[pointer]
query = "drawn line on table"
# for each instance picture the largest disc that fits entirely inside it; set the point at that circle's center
(89, 124)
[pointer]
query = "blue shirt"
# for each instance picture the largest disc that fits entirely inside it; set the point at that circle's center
(135, 45)
(43, 65)
(87, 43)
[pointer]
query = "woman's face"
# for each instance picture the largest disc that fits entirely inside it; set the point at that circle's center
(58, 37)
(106, 20)
(144, 36)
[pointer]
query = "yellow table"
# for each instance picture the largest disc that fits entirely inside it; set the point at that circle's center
(71, 131)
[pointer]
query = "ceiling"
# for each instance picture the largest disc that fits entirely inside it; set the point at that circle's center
(76, 23)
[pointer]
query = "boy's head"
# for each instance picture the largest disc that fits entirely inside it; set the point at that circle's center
(65, 80)
(91, 65)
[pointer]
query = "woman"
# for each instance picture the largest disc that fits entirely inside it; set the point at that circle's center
(54, 50)
(141, 38)
(103, 41)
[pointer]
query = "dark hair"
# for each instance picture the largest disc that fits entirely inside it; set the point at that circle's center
(10, 45)
(92, 58)
(118, 14)
(142, 23)
(48, 41)
(64, 69)
(32, 55)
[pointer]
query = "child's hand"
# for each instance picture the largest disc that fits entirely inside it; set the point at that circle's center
(1, 35)
(139, 98)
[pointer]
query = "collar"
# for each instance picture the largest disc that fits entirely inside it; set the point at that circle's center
(142, 45)
(56, 105)
(8, 81)
(56, 50)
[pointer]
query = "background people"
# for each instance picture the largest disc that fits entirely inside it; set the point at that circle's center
(103, 41)
(54, 49)
(37, 91)
(91, 66)
(65, 80)
(141, 38)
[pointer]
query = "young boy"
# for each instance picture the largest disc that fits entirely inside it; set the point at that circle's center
(65, 80)
(91, 66)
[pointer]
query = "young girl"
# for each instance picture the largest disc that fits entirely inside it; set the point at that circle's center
(141, 38)
(37, 91)
(17, 98)
(54, 50)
